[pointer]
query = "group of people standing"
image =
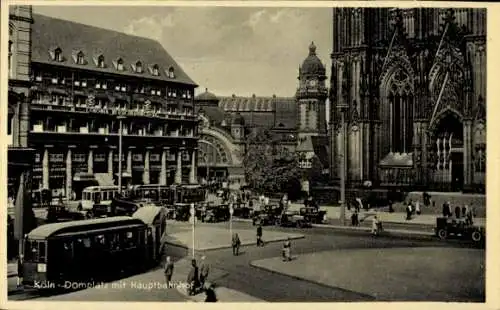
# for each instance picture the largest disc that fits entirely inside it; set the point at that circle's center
(466, 212)
(197, 278)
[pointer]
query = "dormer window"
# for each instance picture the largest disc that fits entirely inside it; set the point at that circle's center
(79, 58)
(156, 71)
(100, 61)
(119, 65)
(58, 55)
(171, 73)
(138, 67)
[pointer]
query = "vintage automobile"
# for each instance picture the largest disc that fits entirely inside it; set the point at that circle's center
(267, 216)
(242, 210)
(313, 215)
(292, 219)
(458, 228)
(60, 213)
(182, 212)
(216, 213)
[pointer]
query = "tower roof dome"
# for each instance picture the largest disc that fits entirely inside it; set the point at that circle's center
(312, 64)
(207, 96)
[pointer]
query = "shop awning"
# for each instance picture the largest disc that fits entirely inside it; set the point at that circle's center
(81, 176)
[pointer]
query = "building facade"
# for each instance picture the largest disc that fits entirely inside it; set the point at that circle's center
(297, 123)
(85, 84)
(413, 84)
(19, 155)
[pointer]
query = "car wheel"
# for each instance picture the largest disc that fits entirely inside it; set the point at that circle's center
(299, 224)
(89, 215)
(277, 222)
(442, 234)
(476, 236)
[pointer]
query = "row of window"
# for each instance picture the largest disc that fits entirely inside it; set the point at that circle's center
(80, 59)
(102, 157)
(120, 87)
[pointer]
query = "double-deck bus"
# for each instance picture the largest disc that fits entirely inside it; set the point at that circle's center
(62, 255)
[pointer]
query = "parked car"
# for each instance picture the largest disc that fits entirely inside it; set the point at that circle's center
(292, 219)
(313, 215)
(267, 216)
(458, 228)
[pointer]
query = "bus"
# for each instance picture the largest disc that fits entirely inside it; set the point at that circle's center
(68, 254)
(96, 200)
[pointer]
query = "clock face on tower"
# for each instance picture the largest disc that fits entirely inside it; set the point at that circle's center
(312, 83)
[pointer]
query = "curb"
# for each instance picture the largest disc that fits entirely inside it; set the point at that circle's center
(252, 264)
(390, 232)
(219, 247)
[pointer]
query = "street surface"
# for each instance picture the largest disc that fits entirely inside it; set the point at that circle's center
(237, 273)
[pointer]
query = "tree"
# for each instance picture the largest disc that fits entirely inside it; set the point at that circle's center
(269, 167)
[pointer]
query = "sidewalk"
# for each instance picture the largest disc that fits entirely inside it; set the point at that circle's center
(224, 294)
(208, 237)
(152, 283)
(333, 213)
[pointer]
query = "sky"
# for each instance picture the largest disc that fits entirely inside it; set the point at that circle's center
(229, 50)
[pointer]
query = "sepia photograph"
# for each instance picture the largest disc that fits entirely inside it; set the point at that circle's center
(245, 154)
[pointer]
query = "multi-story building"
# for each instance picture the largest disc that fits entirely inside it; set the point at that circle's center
(413, 86)
(89, 82)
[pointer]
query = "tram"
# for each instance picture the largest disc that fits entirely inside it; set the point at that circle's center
(62, 255)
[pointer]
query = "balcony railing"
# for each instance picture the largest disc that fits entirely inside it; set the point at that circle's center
(177, 115)
(85, 131)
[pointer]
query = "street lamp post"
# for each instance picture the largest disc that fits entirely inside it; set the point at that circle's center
(343, 163)
(193, 218)
(120, 134)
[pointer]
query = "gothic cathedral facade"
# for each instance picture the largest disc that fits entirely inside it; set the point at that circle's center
(413, 86)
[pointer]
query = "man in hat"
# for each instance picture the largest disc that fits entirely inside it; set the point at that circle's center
(169, 270)
(204, 269)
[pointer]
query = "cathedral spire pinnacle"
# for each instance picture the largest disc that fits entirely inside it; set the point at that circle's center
(312, 49)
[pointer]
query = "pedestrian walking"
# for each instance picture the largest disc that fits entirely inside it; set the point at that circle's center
(193, 278)
(286, 252)
(236, 244)
(169, 270)
(20, 271)
(375, 226)
(210, 294)
(204, 270)
(464, 211)
(355, 218)
(457, 212)
(408, 211)
(417, 208)
(259, 236)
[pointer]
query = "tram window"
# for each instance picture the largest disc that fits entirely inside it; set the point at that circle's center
(129, 241)
(97, 197)
(100, 240)
(41, 250)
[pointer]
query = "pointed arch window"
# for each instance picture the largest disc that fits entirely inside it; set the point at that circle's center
(100, 61)
(401, 104)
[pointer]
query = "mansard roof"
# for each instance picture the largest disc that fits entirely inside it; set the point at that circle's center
(50, 33)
